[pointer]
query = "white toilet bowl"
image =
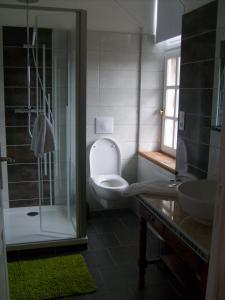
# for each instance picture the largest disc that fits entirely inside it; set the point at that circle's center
(105, 170)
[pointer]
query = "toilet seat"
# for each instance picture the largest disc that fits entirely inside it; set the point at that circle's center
(109, 186)
(110, 182)
(105, 170)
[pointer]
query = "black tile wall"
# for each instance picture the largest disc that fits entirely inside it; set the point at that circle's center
(17, 57)
(197, 172)
(196, 101)
(200, 21)
(21, 154)
(28, 202)
(28, 171)
(26, 190)
(17, 96)
(17, 119)
(196, 85)
(222, 49)
(197, 75)
(23, 174)
(201, 48)
(15, 77)
(198, 155)
(197, 128)
(17, 36)
(17, 135)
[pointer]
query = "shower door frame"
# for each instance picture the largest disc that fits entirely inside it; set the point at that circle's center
(80, 130)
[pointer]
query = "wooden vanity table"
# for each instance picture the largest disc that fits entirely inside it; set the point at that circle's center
(188, 242)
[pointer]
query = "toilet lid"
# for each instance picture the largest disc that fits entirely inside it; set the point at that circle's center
(105, 158)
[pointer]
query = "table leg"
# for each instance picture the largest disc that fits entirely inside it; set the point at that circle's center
(142, 253)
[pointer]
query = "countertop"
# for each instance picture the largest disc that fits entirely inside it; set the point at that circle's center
(168, 210)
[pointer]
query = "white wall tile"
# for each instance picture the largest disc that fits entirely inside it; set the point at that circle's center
(149, 171)
(150, 116)
(126, 133)
(150, 133)
(151, 98)
(152, 63)
(93, 40)
(59, 39)
(129, 169)
(112, 83)
(93, 60)
(149, 146)
(91, 113)
(122, 116)
(61, 74)
(149, 45)
(128, 150)
(119, 61)
(118, 79)
(119, 42)
(118, 97)
(148, 42)
(122, 133)
(93, 98)
(152, 80)
(59, 58)
(92, 79)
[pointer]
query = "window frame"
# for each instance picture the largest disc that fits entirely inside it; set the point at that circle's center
(170, 54)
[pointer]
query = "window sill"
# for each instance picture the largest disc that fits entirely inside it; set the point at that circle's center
(161, 159)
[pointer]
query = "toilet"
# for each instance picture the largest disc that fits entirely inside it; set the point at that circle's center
(105, 171)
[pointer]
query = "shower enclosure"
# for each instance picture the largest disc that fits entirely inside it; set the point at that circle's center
(43, 71)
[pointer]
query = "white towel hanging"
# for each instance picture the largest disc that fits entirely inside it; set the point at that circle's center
(43, 140)
(155, 187)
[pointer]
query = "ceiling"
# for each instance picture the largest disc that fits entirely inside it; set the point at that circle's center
(115, 15)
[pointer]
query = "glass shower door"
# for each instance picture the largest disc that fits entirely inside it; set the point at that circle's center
(56, 98)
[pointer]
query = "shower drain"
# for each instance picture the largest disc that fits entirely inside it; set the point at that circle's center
(32, 213)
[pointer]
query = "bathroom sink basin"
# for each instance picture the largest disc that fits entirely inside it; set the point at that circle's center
(197, 198)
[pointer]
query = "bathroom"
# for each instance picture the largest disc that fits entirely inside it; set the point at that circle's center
(125, 85)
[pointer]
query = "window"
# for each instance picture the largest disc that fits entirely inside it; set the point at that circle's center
(170, 102)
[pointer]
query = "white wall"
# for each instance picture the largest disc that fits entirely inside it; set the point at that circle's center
(112, 90)
(150, 171)
(152, 77)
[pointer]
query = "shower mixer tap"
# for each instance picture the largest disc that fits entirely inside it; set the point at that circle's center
(7, 159)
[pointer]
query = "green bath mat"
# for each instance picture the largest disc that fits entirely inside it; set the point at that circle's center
(49, 278)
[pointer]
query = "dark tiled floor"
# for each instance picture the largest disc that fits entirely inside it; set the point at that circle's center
(112, 260)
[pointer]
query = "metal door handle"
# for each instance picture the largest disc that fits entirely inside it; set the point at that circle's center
(7, 159)
(162, 111)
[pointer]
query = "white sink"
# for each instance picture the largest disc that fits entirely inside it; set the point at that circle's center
(197, 198)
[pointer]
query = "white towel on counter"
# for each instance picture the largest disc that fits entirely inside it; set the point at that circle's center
(158, 188)
(43, 140)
